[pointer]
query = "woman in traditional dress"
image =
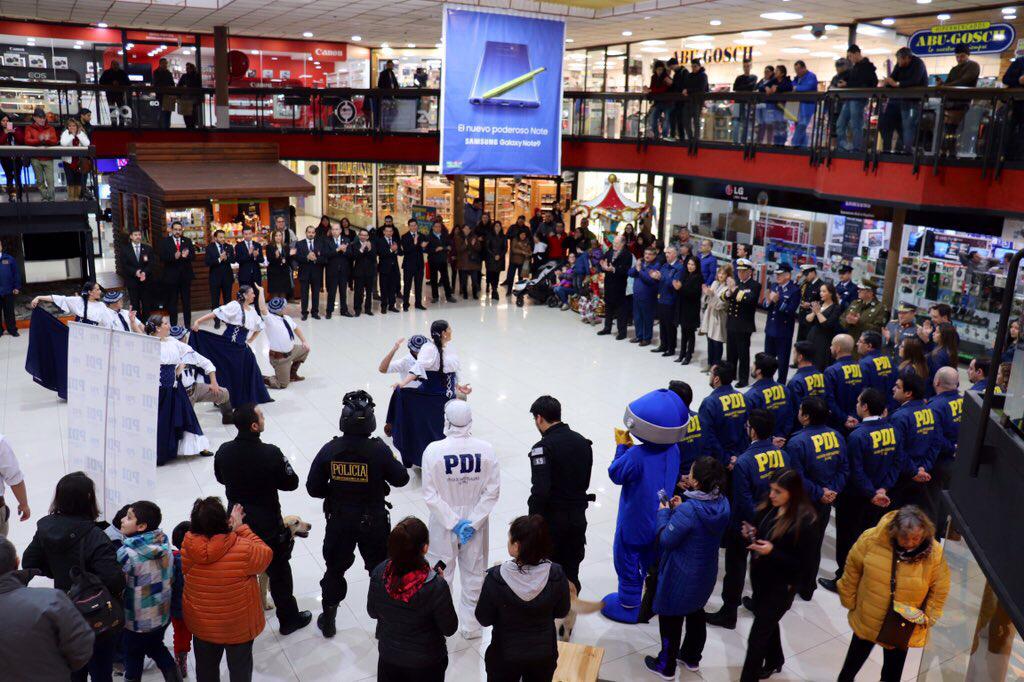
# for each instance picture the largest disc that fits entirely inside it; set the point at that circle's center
(87, 307)
(47, 357)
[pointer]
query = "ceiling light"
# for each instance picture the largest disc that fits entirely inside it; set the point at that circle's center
(653, 49)
(877, 50)
(163, 47)
(410, 45)
(78, 42)
(1009, 10)
(756, 34)
(787, 16)
(830, 27)
(131, 45)
(1010, 17)
(715, 22)
(888, 21)
(804, 36)
(255, 52)
(273, 59)
(795, 50)
(569, 40)
(749, 41)
(437, 45)
(78, 47)
(943, 17)
(307, 34)
(924, 2)
(385, 46)
(647, 18)
(869, 30)
(627, 33)
(653, 42)
(102, 24)
(700, 38)
(120, 51)
(356, 39)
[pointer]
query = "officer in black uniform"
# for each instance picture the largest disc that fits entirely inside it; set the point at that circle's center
(252, 472)
(560, 464)
(741, 300)
(352, 474)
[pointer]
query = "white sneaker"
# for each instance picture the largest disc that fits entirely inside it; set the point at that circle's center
(472, 634)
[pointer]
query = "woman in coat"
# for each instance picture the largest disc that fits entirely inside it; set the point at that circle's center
(221, 559)
(69, 537)
(904, 542)
(691, 287)
(468, 256)
(690, 531)
(74, 136)
(783, 557)
(823, 321)
(945, 354)
(187, 104)
(11, 165)
(713, 322)
(521, 598)
(495, 248)
(279, 268)
(519, 251)
(413, 607)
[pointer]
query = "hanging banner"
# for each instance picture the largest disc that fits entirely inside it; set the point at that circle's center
(981, 37)
(501, 94)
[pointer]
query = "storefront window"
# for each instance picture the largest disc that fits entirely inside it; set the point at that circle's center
(414, 68)
(399, 189)
(595, 70)
(574, 67)
(350, 192)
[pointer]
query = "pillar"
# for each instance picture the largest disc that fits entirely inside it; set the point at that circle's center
(458, 200)
(220, 75)
(892, 263)
(649, 200)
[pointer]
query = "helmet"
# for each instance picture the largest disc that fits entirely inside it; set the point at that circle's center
(357, 414)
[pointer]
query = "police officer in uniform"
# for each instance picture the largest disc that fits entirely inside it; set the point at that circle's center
(899, 330)
(866, 313)
(741, 300)
(810, 291)
(560, 464)
(782, 302)
(845, 287)
(352, 474)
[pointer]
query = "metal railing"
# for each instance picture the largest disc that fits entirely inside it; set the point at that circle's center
(975, 126)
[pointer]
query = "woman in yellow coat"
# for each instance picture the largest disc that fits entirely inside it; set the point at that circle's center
(922, 583)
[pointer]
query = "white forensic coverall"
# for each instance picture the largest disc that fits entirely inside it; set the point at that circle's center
(461, 480)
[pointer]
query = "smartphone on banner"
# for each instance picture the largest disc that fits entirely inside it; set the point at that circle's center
(500, 64)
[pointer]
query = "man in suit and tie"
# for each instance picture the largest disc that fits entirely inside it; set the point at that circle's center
(218, 260)
(387, 268)
(176, 252)
(249, 256)
(309, 261)
(364, 268)
(411, 248)
(138, 262)
(339, 268)
(438, 249)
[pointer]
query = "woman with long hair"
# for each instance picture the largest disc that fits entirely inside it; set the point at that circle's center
(661, 81)
(68, 538)
(74, 136)
(690, 293)
(783, 552)
(495, 248)
(177, 429)
(279, 266)
(1012, 337)
(520, 599)
(713, 320)
(323, 228)
(468, 254)
(823, 321)
(945, 354)
(912, 357)
(47, 357)
(413, 607)
(520, 249)
(87, 307)
(11, 165)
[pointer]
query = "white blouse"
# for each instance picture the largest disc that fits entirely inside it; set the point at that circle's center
(74, 305)
(233, 313)
(428, 360)
(174, 352)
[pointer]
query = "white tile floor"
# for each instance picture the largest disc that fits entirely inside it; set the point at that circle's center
(510, 355)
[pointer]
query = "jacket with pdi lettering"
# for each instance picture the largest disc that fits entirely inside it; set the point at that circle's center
(819, 454)
(878, 373)
(948, 407)
(807, 381)
(770, 395)
(752, 476)
(875, 449)
(723, 421)
(844, 381)
(916, 423)
(691, 447)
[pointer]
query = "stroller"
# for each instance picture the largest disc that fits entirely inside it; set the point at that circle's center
(540, 288)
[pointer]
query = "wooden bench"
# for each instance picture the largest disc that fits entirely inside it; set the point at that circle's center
(578, 662)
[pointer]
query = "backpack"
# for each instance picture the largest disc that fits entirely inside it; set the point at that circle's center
(100, 609)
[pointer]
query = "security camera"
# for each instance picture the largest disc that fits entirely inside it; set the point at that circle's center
(818, 30)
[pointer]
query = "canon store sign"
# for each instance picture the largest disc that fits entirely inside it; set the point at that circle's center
(320, 52)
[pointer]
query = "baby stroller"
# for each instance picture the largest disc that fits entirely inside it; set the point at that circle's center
(540, 288)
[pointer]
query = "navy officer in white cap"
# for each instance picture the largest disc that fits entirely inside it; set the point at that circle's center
(741, 305)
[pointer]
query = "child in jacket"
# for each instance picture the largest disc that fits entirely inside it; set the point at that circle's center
(148, 566)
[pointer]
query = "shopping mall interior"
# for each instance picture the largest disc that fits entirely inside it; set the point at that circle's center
(877, 145)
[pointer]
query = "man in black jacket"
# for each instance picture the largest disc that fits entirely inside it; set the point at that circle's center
(249, 256)
(438, 248)
(138, 259)
(309, 261)
(412, 248)
(745, 82)
(252, 472)
(861, 74)
(114, 75)
(387, 268)
(339, 269)
(696, 87)
(616, 264)
(352, 475)
(1014, 78)
(560, 464)
(218, 260)
(741, 305)
(902, 114)
(163, 78)
(679, 76)
(176, 252)
(364, 267)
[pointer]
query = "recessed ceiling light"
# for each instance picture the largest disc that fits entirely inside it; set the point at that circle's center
(273, 59)
(120, 51)
(830, 27)
(795, 50)
(924, 2)
(307, 34)
(102, 24)
(569, 40)
(804, 36)
(888, 21)
(756, 34)
(943, 17)
(1010, 17)
(1009, 10)
(787, 16)
(356, 39)
(715, 22)
(385, 45)
(653, 42)
(437, 45)
(700, 38)
(869, 30)
(78, 47)
(254, 52)
(627, 33)
(647, 18)
(749, 41)
(410, 45)
(130, 45)
(652, 49)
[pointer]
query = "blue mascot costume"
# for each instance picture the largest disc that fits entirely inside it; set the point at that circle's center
(658, 420)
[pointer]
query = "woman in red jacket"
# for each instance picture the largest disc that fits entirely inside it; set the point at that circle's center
(661, 79)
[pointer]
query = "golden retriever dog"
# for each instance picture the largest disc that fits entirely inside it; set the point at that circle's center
(297, 528)
(577, 606)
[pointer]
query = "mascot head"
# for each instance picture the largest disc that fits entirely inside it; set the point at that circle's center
(658, 417)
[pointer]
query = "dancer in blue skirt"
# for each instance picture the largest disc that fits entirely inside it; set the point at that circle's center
(178, 431)
(87, 307)
(47, 357)
(236, 365)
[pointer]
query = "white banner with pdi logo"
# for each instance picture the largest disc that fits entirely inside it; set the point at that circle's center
(113, 382)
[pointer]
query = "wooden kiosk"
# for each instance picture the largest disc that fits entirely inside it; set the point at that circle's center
(207, 187)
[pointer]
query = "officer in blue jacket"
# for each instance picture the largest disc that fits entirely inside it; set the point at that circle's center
(876, 460)
(977, 373)
(916, 423)
(667, 276)
(723, 417)
(751, 479)
(845, 287)
(782, 303)
(876, 368)
(10, 286)
(708, 262)
(807, 381)
(691, 447)
(767, 394)
(818, 452)
(645, 296)
(843, 383)
(948, 406)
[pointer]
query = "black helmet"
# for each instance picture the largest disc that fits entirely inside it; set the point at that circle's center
(357, 414)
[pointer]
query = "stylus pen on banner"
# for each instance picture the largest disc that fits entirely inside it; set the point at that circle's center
(514, 83)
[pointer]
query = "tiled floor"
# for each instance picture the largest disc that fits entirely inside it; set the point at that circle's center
(510, 355)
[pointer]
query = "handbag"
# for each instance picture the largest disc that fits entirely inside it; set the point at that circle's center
(100, 609)
(896, 630)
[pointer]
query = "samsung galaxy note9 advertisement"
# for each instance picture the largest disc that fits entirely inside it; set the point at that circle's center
(501, 94)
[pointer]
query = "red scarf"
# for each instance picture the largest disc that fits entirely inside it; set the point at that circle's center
(403, 587)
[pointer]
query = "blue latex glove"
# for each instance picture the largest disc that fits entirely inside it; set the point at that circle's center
(464, 531)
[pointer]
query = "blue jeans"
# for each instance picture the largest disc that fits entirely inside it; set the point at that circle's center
(739, 123)
(851, 118)
(910, 113)
(138, 645)
(643, 319)
(656, 116)
(563, 294)
(800, 132)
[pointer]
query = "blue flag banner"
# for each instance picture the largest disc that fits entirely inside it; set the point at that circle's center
(501, 94)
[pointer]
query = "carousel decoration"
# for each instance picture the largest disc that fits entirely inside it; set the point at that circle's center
(610, 205)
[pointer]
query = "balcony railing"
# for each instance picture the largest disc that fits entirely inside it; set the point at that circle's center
(925, 126)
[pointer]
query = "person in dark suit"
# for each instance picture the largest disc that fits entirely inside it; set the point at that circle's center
(439, 246)
(387, 268)
(309, 261)
(364, 267)
(616, 264)
(741, 300)
(249, 256)
(222, 278)
(411, 248)
(339, 269)
(139, 260)
(176, 252)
